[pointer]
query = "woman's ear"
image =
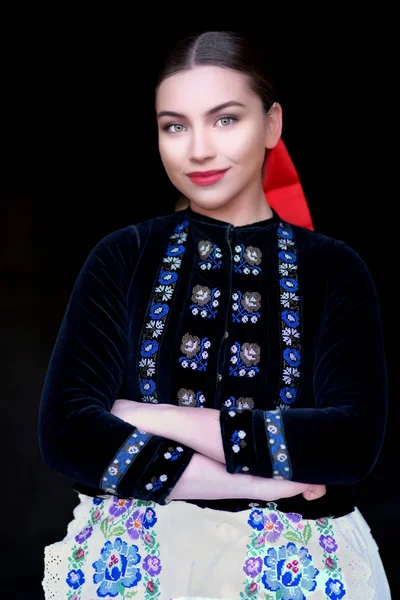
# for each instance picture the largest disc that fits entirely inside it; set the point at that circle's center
(273, 126)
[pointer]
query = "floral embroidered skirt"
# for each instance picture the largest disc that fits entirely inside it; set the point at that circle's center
(133, 549)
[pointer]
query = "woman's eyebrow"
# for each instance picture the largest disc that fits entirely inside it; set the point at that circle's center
(171, 113)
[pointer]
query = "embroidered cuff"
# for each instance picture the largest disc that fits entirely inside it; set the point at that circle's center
(281, 467)
(163, 472)
(123, 460)
(237, 438)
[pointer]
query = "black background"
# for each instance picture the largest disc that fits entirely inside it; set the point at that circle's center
(80, 159)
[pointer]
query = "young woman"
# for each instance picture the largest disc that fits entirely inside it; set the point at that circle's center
(271, 329)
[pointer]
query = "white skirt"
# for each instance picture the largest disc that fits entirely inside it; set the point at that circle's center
(133, 549)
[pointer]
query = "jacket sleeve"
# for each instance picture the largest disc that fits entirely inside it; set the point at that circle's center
(339, 439)
(78, 436)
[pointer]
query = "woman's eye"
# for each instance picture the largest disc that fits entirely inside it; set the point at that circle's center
(175, 128)
(224, 121)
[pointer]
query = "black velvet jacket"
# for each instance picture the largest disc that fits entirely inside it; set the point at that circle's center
(276, 326)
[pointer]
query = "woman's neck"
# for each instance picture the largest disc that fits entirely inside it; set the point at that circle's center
(239, 212)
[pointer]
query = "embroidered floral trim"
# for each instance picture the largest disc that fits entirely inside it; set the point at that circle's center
(239, 454)
(244, 360)
(120, 567)
(123, 460)
(190, 398)
(210, 255)
(152, 562)
(76, 561)
(205, 301)
(245, 307)
(247, 260)
(287, 570)
(173, 453)
(238, 440)
(281, 467)
(195, 351)
(158, 312)
(289, 567)
(334, 587)
(118, 576)
(290, 317)
(136, 523)
(176, 458)
(156, 483)
(241, 403)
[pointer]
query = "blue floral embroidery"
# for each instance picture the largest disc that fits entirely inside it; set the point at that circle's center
(205, 301)
(150, 518)
(285, 236)
(245, 307)
(149, 347)
(256, 519)
(288, 395)
(156, 484)
(292, 357)
(123, 460)
(195, 351)
(244, 359)
(167, 277)
(190, 398)
(175, 250)
(173, 453)
(158, 310)
(210, 255)
(237, 437)
(334, 589)
(290, 572)
(290, 317)
(147, 387)
(173, 259)
(180, 235)
(75, 578)
(241, 403)
(281, 467)
(153, 329)
(289, 284)
(247, 260)
(116, 568)
(237, 440)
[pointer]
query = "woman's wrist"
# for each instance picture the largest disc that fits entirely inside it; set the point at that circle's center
(269, 489)
(151, 418)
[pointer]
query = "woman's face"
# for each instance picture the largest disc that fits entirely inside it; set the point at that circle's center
(209, 119)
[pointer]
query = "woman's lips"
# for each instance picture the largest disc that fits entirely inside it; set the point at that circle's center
(204, 178)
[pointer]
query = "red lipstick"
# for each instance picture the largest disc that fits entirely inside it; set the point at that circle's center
(204, 178)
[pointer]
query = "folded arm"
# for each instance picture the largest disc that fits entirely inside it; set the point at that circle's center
(343, 431)
(79, 435)
(206, 476)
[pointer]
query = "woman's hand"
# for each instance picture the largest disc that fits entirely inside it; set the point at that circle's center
(314, 492)
(275, 489)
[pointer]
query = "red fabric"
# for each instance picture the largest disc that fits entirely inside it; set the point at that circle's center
(283, 189)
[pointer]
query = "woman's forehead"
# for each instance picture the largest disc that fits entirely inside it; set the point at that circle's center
(201, 88)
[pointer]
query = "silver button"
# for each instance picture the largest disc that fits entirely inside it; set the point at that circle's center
(226, 334)
(219, 377)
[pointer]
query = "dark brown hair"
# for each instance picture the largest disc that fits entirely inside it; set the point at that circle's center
(222, 49)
